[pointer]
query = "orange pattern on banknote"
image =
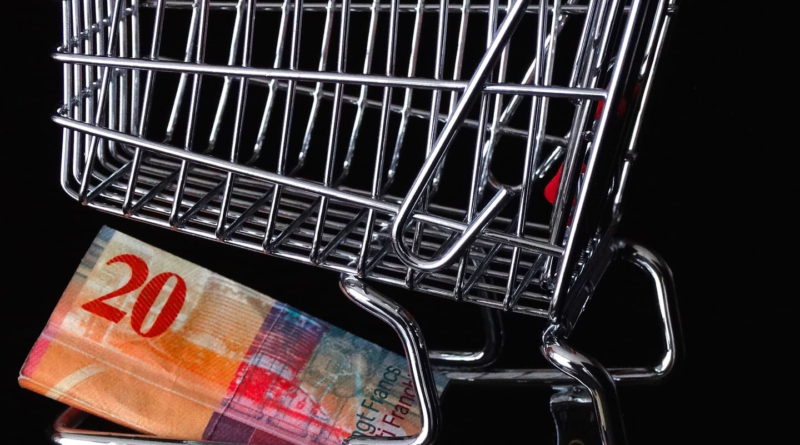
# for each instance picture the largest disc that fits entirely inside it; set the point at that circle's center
(224, 363)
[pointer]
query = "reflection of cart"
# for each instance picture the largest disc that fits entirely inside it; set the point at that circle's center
(405, 142)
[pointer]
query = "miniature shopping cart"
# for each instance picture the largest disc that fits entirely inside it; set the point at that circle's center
(472, 150)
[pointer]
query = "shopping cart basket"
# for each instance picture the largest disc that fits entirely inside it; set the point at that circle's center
(406, 142)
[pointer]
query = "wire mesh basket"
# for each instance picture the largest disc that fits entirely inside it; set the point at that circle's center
(473, 150)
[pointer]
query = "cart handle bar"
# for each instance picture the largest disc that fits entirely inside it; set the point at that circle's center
(471, 92)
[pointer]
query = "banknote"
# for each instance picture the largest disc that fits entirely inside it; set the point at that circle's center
(158, 344)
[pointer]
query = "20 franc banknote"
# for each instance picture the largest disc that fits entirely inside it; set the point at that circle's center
(163, 346)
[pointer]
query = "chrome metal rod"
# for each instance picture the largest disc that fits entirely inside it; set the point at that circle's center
(664, 289)
(413, 341)
(233, 50)
(362, 93)
(513, 260)
(360, 7)
(333, 135)
(288, 112)
(238, 123)
(592, 375)
(484, 357)
(67, 107)
(647, 70)
(661, 275)
(405, 110)
(380, 146)
(98, 114)
(614, 88)
(342, 195)
(141, 130)
(317, 94)
(330, 77)
(201, 20)
(542, 75)
(191, 39)
(272, 84)
(434, 159)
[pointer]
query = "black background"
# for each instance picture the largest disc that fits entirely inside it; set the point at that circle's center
(686, 195)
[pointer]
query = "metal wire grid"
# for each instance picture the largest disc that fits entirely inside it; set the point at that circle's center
(263, 199)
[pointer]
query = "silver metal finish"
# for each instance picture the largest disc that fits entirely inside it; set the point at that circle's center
(664, 290)
(414, 347)
(406, 142)
(482, 358)
(594, 377)
(573, 411)
(502, 248)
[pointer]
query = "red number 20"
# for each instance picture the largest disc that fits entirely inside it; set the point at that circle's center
(145, 300)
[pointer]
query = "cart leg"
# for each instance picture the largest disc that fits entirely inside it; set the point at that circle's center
(573, 413)
(483, 358)
(414, 347)
(594, 377)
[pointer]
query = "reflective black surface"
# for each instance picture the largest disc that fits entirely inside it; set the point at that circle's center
(695, 169)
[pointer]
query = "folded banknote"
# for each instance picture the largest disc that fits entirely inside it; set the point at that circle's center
(163, 346)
